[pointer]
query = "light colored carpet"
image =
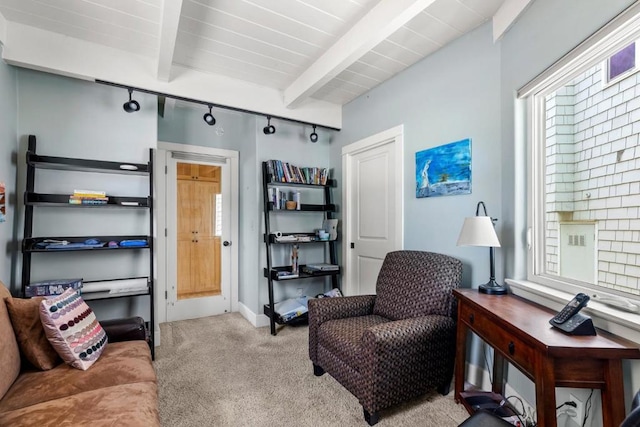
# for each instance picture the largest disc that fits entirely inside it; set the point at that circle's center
(221, 371)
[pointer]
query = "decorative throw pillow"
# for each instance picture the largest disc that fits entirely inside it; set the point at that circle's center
(33, 343)
(72, 329)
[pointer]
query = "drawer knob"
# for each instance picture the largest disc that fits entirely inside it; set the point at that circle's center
(471, 318)
(512, 348)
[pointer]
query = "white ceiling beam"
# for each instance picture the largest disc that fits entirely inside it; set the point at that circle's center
(169, 23)
(3, 29)
(381, 21)
(50, 52)
(507, 15)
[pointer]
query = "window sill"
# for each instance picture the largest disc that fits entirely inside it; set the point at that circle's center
(612, 320)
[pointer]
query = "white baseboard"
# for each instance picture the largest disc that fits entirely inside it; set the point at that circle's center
(257, 320)
(156, 337)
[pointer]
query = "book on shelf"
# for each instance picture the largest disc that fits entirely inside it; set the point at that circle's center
(287, 274)
(285, 172)
(291, 308)
(89, 193)
(323, 267)
(51, 287)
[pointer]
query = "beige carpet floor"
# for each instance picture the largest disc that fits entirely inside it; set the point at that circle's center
(221, 371)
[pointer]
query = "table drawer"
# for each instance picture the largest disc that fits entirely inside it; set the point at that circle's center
(515, 350)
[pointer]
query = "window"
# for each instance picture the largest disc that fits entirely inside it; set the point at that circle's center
(584, 193)
(621, 62)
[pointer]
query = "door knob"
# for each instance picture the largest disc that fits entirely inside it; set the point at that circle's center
(226, 243)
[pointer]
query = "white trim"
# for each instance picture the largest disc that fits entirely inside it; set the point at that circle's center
(3, 29)
(160, 183)
(395, 134)
(257, 320)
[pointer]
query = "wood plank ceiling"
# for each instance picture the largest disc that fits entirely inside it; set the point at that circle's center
(269, 43)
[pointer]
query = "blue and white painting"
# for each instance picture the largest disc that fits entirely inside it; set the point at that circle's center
(444, 170)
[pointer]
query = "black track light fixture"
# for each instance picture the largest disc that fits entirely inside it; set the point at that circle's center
(208, 117)
(269, 128)
(314, 136)
(131, 106)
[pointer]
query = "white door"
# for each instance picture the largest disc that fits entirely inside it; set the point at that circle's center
(373, 200)
(207, 255)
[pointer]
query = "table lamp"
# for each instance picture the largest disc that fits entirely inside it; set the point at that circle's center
(479, 231)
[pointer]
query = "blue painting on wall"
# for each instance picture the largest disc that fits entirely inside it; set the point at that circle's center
(444, 170)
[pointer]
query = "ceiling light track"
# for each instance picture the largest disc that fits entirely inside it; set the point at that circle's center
(210, 104)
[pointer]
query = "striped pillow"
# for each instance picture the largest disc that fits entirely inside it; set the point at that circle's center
(72, 329)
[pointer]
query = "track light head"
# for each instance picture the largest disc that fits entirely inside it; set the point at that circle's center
(269, 129)
(208, 118)
(314, 136)
(131, 106)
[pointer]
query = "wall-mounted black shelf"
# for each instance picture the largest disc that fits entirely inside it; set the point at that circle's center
(306, 207)
(35, 200)
(62, 200)
(301, 274)
(85, 165)
(29, 244)
(312, 211)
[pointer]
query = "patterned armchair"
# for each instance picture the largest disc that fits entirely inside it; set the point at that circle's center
(396, 345)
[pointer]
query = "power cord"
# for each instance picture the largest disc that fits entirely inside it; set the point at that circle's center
(587, 408)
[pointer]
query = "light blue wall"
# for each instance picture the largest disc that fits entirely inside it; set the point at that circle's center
(451, 95)
(74, 118)
(8, 175)
(243, 133)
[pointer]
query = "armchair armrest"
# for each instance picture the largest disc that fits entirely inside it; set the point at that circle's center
(324, 309)
(411, 351)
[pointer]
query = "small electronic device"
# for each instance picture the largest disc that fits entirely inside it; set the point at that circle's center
(571, 321)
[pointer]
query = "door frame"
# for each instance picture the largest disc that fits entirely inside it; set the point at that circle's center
(162, 219)
(395, 136)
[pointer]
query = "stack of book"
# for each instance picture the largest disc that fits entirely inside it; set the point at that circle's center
(51, 287)
(88, 197)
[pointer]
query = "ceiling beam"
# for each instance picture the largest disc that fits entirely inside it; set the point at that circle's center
(42, 50)
(168, 34)
(383, 20)
(507, 15)
(3, 29)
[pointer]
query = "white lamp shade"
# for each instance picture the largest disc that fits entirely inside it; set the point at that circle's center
(478, 231)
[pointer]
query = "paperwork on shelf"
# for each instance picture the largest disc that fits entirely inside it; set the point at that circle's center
(116, 286)
(291, 308)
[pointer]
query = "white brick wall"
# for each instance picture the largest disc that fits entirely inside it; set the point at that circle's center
(593, 172)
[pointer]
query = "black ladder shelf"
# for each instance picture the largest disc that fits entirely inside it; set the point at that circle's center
(327, 210)
(31, 244)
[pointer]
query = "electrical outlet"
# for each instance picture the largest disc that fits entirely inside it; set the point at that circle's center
(299, 291)
(579, 409)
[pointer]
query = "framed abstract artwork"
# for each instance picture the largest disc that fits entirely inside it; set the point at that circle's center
(444, 170)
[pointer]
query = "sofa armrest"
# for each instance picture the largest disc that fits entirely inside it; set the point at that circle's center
(324, 309)
(129, 329)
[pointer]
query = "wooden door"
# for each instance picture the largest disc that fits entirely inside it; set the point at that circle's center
(198, 265)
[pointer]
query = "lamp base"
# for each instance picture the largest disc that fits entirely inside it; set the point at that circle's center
(492, 288)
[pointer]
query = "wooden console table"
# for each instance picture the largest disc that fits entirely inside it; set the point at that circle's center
(520, 333)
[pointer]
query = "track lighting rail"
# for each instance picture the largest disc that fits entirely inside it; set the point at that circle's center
(196, 101)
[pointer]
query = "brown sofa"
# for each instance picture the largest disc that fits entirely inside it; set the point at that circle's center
(118, 390)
